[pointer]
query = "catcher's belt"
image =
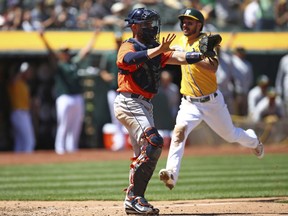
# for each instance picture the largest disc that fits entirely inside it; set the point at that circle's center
(132, 95)
(140, 97)
(201, 99)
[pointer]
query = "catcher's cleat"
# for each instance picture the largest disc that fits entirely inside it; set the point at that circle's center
(259, 150)
(131, 211)
(167, 177)
(139, 206)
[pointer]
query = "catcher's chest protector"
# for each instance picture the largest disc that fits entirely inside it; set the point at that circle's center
(147, 76)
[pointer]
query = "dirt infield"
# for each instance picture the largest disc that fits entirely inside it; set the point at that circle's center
(263, 206)
(252, 206)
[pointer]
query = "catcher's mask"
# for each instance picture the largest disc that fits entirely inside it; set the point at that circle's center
(192, 13)
(149, 21)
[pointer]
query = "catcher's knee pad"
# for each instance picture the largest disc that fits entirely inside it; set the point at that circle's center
(153, 137)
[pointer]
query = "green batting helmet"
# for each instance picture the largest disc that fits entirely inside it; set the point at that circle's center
(192, 13)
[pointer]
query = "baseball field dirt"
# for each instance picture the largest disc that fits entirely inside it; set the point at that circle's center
(248, 206)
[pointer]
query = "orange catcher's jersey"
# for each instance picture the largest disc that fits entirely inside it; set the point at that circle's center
(125, 81)
(196, 81)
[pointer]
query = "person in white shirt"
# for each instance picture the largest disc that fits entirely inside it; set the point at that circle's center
(257, 93)
(243, 78)
(250, 14)
(270, 105)
(225, 78)
(281, 82)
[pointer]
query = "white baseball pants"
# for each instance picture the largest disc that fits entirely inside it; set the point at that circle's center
(217, 117)
(70, 114)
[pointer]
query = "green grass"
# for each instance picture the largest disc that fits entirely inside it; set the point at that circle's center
(201, 177)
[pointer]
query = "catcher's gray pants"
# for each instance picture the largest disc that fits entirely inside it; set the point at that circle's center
(137, 116)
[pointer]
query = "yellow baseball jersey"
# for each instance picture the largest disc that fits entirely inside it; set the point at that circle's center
(19, 95)
(196, 81)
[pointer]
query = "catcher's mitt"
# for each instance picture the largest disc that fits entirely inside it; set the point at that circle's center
(207, 44)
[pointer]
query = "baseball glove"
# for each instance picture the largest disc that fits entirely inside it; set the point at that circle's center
(207, 44)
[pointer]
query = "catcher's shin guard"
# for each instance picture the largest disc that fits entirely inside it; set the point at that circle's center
(143, 166)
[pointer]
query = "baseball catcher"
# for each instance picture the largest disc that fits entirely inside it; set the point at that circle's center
(139, 61)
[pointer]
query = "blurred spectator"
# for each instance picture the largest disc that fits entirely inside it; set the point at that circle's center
(13, 16)
(235, 76)
(257, 93)
(209, 26)
(88, 14)
(282, 80)
(83, 18)
(98, 12)
(228, 13)
(69, 101)
(27, 21)
(171, 90)
(250, 14)
(270, 108)
(265, 15)
(243, 79)
(115, 21)
(66, 16)
(225, 78)
(196, 4)
(109, 73)
(169, 9)
(21, 120)
(42, 16)
(281, 14)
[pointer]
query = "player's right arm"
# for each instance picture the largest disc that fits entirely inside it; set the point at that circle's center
(163, 47)
(183, 58)
(131, 57)
(53, 57)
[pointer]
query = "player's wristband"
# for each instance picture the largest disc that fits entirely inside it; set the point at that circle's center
(136, 57)
(193, 57)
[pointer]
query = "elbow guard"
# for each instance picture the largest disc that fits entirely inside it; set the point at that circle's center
(136, 57)
(193, 57)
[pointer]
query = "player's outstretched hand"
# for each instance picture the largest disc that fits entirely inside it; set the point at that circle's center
(166, 42)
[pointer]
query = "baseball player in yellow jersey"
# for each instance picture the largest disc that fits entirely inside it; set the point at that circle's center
(21, 119)
(201, 101)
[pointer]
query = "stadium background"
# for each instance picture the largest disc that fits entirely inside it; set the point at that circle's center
(264, 50)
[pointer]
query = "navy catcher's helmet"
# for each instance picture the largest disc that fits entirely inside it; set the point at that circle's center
(149, 21)
(192, 13)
